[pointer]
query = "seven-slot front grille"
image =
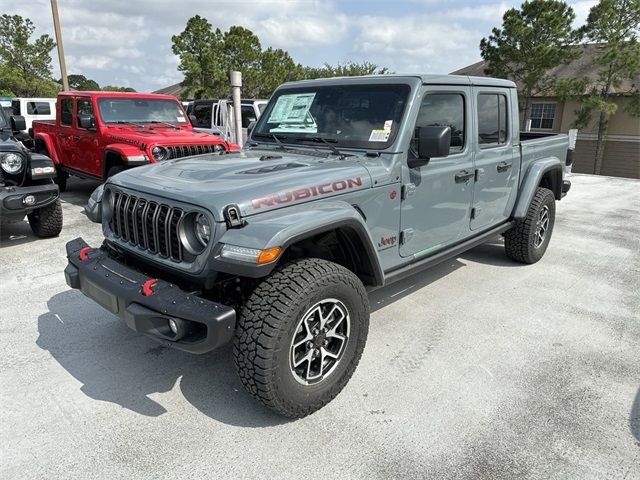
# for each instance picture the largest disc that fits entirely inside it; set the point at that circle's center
(147, 224)
(178, 151)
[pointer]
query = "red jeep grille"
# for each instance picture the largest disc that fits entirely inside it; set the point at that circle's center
(149, 225)
(178, 151)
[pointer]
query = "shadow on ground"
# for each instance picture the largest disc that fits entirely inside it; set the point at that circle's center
(115, 364)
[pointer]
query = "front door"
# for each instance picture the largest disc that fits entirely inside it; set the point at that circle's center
(437, 197)
(497, 158)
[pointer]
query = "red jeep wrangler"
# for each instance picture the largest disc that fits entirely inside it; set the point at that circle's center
(98, 134)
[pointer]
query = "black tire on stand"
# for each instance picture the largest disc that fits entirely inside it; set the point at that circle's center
(300, 335)
(528, 240)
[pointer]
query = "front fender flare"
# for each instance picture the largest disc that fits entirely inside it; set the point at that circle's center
(531, 181)
(285, 227)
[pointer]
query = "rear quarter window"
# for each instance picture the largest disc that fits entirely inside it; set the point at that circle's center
(38, 108)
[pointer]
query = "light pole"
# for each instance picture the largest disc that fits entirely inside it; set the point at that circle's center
(56, 27)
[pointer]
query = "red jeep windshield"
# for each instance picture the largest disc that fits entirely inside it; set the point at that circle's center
(140, 110)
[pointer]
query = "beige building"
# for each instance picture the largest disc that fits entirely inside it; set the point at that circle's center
(551, 114)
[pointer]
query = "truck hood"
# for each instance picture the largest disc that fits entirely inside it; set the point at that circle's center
(256, 180)
(159, 135)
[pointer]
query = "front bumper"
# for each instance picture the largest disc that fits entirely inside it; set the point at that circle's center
(12, 198)
(566, 186)
(206, 325)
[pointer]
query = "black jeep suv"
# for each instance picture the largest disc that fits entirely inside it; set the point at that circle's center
(26, 182)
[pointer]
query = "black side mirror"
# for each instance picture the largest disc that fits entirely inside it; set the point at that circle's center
(18, 123)
(433, 142)
(250, 127)
(86, 121)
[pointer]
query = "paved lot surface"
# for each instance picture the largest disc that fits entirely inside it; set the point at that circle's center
(478, 369)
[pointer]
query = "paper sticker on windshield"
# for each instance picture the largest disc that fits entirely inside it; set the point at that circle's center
(387, 125)
(379, 135)
(291, 108)
(181, 119)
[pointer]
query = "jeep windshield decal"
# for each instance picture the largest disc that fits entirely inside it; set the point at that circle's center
(365, 116)
(140, 110)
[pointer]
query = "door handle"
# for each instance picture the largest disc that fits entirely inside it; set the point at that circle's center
(503, 166)
(76, 137)
(61, 135)
(464, 176)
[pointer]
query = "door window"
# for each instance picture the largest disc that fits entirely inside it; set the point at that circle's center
(15, 106)
(84, 107)
(248, 115)
(492, 120)
(66, 111)
(444, 109)
(202, 114)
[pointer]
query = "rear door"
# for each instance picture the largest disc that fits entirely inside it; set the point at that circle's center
(437, 198)
(64, 132)
(87, 152)
(496, 158)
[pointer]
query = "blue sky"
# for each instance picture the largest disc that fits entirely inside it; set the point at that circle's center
(128, 42)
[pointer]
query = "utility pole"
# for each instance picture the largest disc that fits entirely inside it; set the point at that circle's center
(56, 27)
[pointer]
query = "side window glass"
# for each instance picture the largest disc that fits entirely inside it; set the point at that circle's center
(248, 116)
(444, 109)
(15, 105)
(66, 111)
(85, 107)
(38, 108)
(492, 120)
(202, 113)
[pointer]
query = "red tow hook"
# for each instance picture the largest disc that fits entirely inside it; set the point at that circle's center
(147, 287)
(83, 253)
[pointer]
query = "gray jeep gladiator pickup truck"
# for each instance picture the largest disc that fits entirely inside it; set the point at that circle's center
(345, 185)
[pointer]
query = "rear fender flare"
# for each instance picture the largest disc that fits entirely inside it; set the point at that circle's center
(46, 139)
(532, 179)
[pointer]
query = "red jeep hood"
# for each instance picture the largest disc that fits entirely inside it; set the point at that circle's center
(160, 135)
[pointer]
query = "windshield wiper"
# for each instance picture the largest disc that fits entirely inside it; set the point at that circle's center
(327, 141)
(124, 122)
(165, 123)
(274, 136)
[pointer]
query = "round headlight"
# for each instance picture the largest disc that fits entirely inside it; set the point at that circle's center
(159, 153)
(218, 148)
(203, 229)
(12, 163)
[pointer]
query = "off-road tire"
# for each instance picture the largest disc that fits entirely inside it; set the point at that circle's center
(267, 326)
(46, 222)
(520, 241)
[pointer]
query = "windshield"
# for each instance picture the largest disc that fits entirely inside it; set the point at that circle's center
(140, 110)
(356, 116)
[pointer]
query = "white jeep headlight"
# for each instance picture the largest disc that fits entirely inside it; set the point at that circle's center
(159, 153)
(11, 163)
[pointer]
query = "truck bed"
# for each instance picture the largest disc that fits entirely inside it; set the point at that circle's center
(534, 146)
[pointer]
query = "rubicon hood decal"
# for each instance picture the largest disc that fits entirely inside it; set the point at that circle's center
(306, 192)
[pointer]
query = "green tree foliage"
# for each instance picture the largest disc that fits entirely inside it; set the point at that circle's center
(614, 25)
(349, 69)
(113, 88)
(533, 39)
(28, 62)
(80, 82)
(207, 56)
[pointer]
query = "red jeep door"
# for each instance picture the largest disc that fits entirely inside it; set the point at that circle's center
(87, 154)
(64, 133)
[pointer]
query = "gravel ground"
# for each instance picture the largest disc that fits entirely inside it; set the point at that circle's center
(478, 368)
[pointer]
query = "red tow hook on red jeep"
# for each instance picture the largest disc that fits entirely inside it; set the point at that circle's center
(147, 287)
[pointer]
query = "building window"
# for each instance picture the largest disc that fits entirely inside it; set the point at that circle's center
(542, 115)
